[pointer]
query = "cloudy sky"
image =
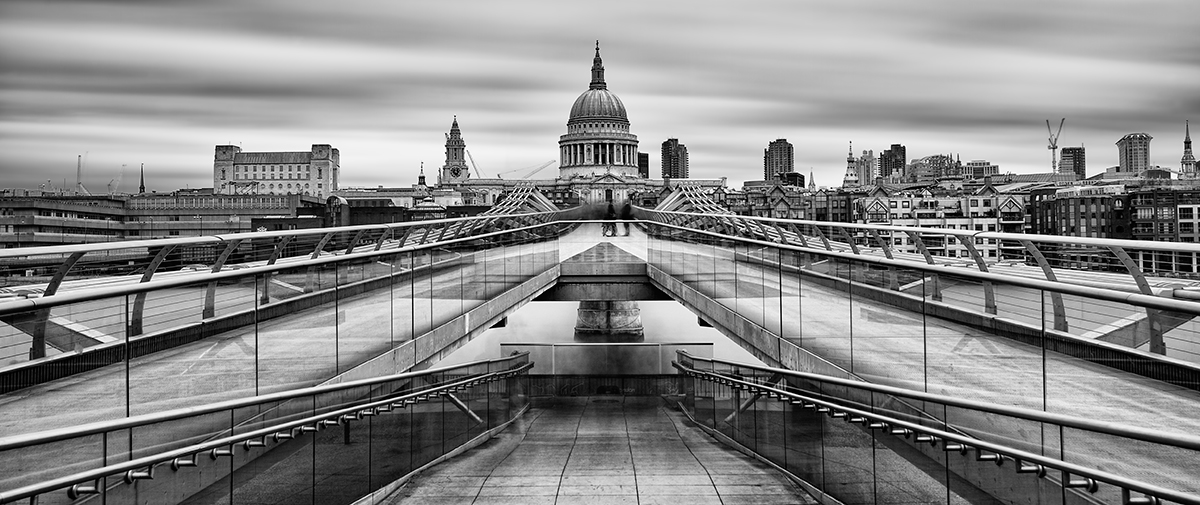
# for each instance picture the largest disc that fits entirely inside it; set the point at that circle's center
(162, 82)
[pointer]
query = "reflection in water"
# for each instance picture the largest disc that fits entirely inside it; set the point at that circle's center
(554, 322)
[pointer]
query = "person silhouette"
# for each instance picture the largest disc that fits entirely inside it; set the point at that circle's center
(626, 216)
(609, 229)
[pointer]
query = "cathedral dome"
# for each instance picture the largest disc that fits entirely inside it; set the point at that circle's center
(597, 141)
(598, 103)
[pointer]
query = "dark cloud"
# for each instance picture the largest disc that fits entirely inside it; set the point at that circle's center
(162, 82)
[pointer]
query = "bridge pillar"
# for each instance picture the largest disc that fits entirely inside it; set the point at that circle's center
(609, 321)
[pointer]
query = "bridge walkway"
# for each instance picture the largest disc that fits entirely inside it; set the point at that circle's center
(889, 346)
(601, 450)
(296, 350)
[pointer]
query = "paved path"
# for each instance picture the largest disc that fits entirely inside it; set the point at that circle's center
(601, 450)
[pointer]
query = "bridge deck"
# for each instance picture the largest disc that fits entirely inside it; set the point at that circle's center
(601, 450)
(890, 346)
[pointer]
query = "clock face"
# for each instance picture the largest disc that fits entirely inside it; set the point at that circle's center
(456, 171)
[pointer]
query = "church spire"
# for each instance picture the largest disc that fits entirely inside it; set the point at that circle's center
(1187, 164)
(850, 180)
(598, 70)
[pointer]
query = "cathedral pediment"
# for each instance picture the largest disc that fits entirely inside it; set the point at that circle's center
(608, 178)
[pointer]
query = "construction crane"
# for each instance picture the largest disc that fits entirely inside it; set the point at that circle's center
(472, 158)
(1053, 147)
(79, 189)
(528, 175)
(114, 185)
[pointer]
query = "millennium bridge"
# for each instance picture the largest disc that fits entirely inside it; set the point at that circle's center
(317, 366)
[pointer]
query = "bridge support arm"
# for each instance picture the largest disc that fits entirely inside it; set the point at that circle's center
(210, 294)
(139, 301)
(37, 346)
(1060, 310)
(1154, 317)
(916, 240)
(989, 294)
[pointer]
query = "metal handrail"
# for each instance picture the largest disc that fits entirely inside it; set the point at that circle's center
(1057, 239)
(42, 437)
(225, 237)
(1019, 457)
(1178, 440)
(1087, 291)
(78, 295)
(316, 422)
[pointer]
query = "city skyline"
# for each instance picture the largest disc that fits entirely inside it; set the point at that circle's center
(131, 83)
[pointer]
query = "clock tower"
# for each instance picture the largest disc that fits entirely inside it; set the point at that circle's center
(455, 170)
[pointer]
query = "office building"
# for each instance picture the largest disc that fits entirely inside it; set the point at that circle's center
(674, 160)
(979, 169)
(867, 166)
(1134, 153)
(312, 173)
(891, 162)
(1073, 161)
(777, 159)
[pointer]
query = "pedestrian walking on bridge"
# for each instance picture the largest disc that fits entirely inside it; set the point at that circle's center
(626, 216)
(609, 227)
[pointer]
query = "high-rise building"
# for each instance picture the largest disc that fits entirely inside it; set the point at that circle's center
(891, 161)
(1134, 152)
(455, 170)
(777, 159)
(1073, 160)
(674, 160)
(312, 173)
(1187, 164)
(866, 167)
(644, 165)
